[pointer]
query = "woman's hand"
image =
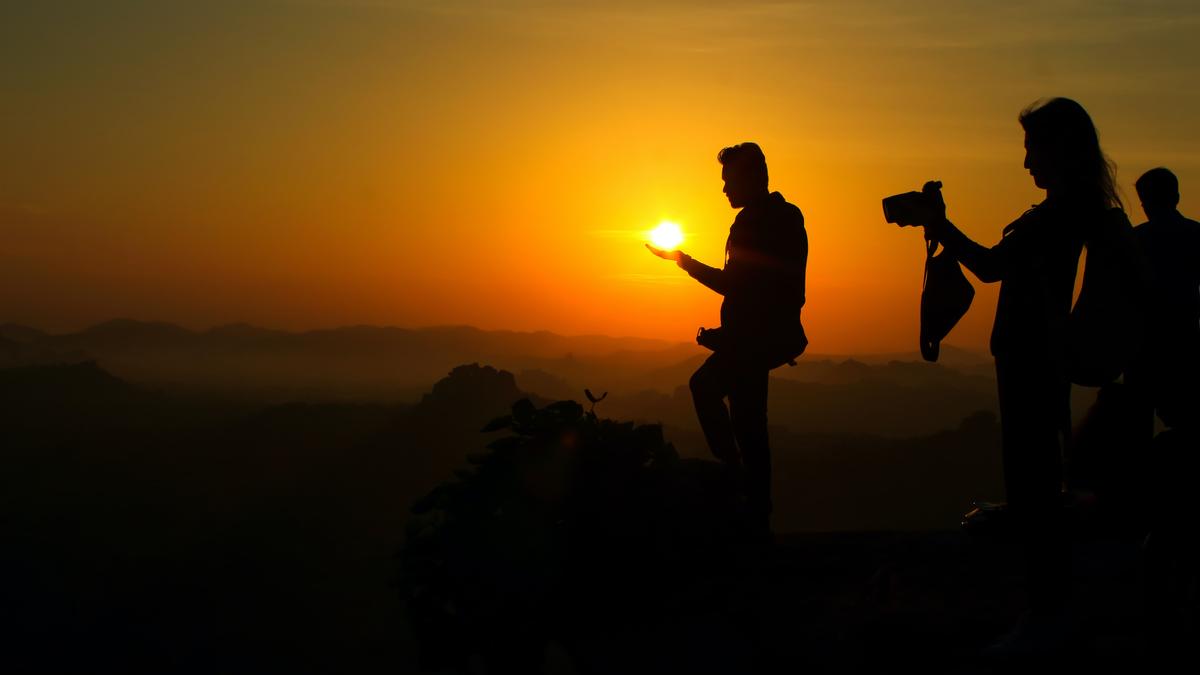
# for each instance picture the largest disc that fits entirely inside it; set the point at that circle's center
(935, 219)
(934, 201)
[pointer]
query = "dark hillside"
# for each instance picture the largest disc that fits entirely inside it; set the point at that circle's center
(159, 532)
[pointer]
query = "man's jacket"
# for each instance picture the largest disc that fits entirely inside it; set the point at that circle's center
(763, 277)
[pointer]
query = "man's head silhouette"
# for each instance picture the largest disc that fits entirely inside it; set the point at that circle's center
(744, 170)
(1159, 191)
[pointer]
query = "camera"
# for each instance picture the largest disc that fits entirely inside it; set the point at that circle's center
(710, 338)
(913, 208)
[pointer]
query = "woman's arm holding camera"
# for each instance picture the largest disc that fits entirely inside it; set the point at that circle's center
(988, 264)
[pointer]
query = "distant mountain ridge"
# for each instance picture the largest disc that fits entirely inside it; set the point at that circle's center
(400, 364)
(539, 343)
(345, 362)
(535, 343)
(22, 334)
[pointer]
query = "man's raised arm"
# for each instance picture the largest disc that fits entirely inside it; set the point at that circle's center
(711, 277)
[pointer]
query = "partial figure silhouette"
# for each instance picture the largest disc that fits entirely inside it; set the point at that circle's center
(1035, 263)
(1164, 379)
(1167, 374)
(762, 282)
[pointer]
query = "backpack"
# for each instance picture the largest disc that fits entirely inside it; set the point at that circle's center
(1104, 331)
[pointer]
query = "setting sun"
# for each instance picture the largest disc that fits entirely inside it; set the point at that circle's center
(667, 235)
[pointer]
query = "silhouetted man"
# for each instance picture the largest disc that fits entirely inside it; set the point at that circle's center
(1169, 370)
(762, 282)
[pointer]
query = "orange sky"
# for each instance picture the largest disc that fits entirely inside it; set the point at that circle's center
(312, 163)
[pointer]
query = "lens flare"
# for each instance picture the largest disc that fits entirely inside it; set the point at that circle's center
(667, 235)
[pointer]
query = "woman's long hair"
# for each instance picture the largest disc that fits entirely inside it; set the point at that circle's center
(1062, 126)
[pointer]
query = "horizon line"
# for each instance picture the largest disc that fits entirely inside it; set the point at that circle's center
(543, 331)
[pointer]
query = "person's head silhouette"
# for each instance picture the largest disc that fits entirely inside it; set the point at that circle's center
(1062, 152)
(1159, 191)
(744, 170)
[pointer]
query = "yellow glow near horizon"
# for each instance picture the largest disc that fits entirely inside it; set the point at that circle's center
(500, 165)
(667, 235)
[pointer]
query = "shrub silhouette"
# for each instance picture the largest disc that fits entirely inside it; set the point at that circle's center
(569, 527)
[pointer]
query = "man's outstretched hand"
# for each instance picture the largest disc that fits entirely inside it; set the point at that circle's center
(674, 256)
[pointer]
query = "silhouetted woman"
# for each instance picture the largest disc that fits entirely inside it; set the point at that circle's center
(1035, 263)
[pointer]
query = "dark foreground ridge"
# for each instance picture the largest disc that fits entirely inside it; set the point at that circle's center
(152, 532)
(579, 544)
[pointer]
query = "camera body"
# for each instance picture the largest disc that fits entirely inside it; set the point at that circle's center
(710, 338)
(914, 208)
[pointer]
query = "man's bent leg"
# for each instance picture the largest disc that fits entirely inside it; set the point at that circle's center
(748, 409)
(710, 384)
